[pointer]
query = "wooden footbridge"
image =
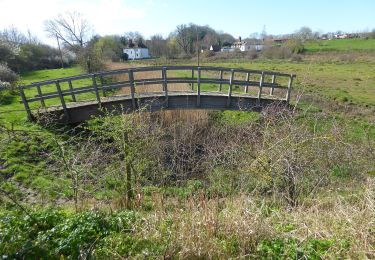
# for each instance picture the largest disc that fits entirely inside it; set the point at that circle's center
(76, 99)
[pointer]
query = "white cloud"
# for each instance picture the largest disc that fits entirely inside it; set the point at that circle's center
(106, 16)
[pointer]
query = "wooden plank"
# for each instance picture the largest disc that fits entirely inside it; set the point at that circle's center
(96, 90)
(165, 84)
(289, 88)
(40, 95)
(260, 86)
(199, 88)
(247, 82)
(132, 88)
(26, 104)
(72, 91)
(66, 112)
(230, 87)
(273, 82)
(221, 79)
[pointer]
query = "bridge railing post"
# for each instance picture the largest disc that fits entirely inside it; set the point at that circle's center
(247, 82)
(273, 82)
(230, 87)
(221, 80)
(42, 103)
(102, 85)
(199, 87)
(132, 88)
(62, 100)
(71, 91)
(25, 103)
(96, 90)
(289, 88)
(260, 86)
(165, 84)
(192, 79)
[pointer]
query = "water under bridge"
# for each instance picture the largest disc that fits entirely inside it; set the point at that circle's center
(79, 98)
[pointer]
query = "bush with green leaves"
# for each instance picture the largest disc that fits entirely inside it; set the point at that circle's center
(54, 234)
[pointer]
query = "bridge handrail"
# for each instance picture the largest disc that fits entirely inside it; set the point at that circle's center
(163, 80)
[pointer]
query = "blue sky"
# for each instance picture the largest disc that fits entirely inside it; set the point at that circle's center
(239, 17)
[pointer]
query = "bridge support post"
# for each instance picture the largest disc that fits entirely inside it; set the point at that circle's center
(273, 82)
(66, 112)
(199, 87)
(96, 90)
(289, 88)
(71, 91)
(165, 84)
(247, 81)
(132, 88)
(230, 87)
(260, 87)
(26, 104)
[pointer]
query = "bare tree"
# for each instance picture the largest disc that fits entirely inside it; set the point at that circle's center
(72, 29)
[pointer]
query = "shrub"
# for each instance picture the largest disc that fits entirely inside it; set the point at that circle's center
(252, 54)
(277, 52)
(295, 46)
(207, 54)
(6, 75)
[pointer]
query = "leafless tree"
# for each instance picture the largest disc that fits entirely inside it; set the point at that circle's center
(71, 28)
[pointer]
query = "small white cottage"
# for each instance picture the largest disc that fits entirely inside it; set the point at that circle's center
(136, 53)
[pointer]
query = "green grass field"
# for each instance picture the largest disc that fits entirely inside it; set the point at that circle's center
(340, 45)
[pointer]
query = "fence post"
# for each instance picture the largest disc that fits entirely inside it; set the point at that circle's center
(26, 104)
(66, 112)
(289, 88)
(96, 90)
(40, 95)
(230, 87)
(71, 91)
(247, 82)
(221, 79)
(260, 86)
(199, 87)
(132, 88)
(192, 78)
(165, 84)
(273, 82)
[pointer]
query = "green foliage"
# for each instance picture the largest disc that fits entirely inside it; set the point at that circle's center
(53, 234)
(289, 248)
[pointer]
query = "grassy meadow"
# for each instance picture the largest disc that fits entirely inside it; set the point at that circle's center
(200, 184)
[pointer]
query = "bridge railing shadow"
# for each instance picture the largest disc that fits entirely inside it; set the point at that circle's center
(163, 80)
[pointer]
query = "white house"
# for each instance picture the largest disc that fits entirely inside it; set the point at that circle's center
(137, 53)
(245, 46)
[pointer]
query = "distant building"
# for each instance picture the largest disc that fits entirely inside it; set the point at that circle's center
(246, 46)
(136, 53)
(133, 52)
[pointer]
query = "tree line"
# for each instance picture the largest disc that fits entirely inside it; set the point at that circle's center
(77, 43)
